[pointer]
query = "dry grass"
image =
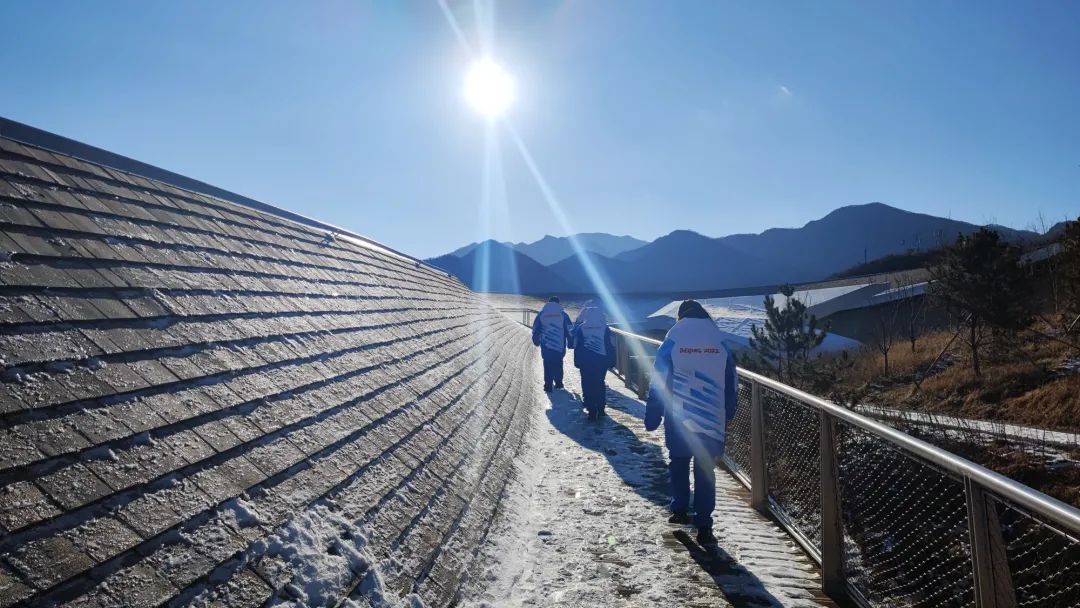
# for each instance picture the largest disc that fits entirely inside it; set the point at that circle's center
(1053, 405)
(1022, 387)
(868, 367)
(1026, 388)
(1031, 469)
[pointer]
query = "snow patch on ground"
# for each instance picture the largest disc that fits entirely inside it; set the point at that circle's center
(323, 549)
(244, 512)
(324, 553)
(589, 524)
(966, 428)
(1068, 367)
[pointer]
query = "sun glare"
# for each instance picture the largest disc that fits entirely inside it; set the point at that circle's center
(489, 89)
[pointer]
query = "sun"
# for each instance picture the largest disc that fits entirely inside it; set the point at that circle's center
(489, 89)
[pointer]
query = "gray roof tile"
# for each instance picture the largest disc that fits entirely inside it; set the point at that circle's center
(52, 437)
(140, 586)
(103, 537)
(23, 504)
(73, 486)
(50, 560)
(12, 589)
(166, 353)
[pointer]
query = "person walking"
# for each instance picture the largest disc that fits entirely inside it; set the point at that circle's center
(551, 332)
(693, 391)
(594, 353)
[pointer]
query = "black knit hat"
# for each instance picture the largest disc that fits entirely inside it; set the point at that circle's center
(554, 299)
(692, 309)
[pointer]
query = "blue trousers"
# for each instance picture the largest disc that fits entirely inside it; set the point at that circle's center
(593, 389)
(553, 370)
(704, 489)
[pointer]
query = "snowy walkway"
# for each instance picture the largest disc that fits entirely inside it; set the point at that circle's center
(594, 530)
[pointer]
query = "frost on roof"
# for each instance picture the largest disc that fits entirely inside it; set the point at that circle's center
(204, 403)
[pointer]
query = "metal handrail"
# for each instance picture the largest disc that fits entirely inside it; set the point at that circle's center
(979, 482)
(1049, 507)
(645, 339)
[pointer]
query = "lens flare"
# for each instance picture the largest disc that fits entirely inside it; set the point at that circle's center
(489, 89)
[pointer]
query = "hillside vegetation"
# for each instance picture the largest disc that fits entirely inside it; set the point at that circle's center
(1009, 354)
(897, 262)
(1038, 384)
(1014, 357)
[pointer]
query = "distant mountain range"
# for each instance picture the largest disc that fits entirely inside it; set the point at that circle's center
(686, 261)
(492, 266)
(552, 249)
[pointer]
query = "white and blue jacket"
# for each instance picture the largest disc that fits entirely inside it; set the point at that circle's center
(693, 390)
(551, 330)
(593, 346)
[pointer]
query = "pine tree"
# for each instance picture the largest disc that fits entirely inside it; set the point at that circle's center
(788, 335)
(981, 281)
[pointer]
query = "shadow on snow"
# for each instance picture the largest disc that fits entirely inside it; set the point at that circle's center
(642, 466)
(639, 464)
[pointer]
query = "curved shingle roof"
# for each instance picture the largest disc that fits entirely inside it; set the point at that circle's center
(207, 403)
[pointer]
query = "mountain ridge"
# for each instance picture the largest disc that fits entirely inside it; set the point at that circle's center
(685, 260)
(551, 249)
(509, 270)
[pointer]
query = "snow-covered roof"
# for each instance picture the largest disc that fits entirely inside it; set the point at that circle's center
(1042, 253)
(900, 293)
(199, 399)
(737, 314)
(820, 302)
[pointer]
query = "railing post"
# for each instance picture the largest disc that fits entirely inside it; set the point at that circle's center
(993, 581)
(623, 358)
(641, 377)
(832, 571)
(759, 483)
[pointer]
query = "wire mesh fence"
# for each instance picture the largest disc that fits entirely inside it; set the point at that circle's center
(791, 454)
(737, 446)
(904, 524)
(1043, 559)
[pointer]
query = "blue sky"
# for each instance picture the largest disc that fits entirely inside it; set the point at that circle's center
(644, 117)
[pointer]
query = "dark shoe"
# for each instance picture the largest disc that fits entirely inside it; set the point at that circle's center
(603, 412)
(558, 385)
(705, 537)
(593, 417)
(679, 518)
(547, 389)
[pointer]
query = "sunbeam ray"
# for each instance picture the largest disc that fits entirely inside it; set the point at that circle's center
(599, 282)
(482, 265)
(462, 40)
(595, 276)
(500, 207)
(485, 25)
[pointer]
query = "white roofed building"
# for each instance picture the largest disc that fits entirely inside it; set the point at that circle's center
(736, 315)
